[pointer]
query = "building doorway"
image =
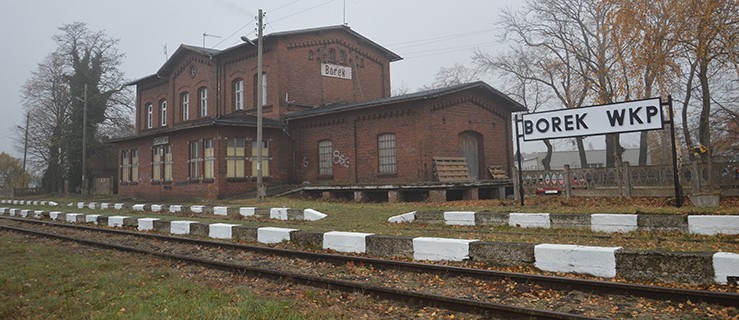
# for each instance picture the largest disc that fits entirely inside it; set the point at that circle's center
(470, 146)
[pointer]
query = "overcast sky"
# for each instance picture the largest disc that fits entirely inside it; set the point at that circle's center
(428, 34)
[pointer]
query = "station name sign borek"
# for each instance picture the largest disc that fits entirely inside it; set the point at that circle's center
(594, 120)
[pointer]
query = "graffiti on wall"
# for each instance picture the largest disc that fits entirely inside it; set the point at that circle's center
(340, 159)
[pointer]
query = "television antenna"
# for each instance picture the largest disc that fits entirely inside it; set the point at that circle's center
(208, 35)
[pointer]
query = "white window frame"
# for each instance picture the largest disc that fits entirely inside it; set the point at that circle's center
(185, 98)
(238, 94)
(163, 112)
(149, 116)
(203, 93)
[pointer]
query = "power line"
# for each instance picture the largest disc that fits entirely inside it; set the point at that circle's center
(303, 11)
(235, 32)
(437, 39)
(418, 54)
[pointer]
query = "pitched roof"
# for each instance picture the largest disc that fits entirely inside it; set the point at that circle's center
(421, 95)
(215, 52)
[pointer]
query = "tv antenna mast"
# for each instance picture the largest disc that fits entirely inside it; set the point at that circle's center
(208, 35)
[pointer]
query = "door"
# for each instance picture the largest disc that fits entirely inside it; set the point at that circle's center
(470, 144)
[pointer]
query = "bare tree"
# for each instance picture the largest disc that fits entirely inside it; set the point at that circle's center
(452, 76)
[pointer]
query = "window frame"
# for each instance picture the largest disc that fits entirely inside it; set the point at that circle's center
(134, 166)
(234, 159)
(194, 161)
(238, 94)
(263, 91)
(163, 112)
(185, 105)
(265, 158)
(149, 115)
(387, 154)
(209, 159)
(203, 102)
(325, 154)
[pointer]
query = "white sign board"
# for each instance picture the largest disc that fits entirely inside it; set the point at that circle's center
(336, 71)
(595, 120)
(160, 140)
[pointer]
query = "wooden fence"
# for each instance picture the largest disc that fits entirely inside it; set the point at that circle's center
(627, 181)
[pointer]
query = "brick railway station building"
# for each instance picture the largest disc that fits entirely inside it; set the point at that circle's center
(330, 125)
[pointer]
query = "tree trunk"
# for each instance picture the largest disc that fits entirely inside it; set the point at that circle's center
(581, 151)
(547, 161)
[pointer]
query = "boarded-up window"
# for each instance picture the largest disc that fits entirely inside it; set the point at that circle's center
(134, 165)
(235, 153)
(194, 160)
(156, 163)
(209, 158)
(125, 167)
(168, 162)
(265, 158)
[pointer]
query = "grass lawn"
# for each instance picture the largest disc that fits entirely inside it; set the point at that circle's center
(73, 282)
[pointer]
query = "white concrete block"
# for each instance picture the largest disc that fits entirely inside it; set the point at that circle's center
(25, 213)
(53, 204)
(54, 215)
(72, 217)
(80, 205)
(42, 203)
(711, 225)
(278, 213)
(607, 222)
(92, 205)
(459, 218)
(38, 213)
(725, 264)
(220, 230)
(273, 234)
(175, 208)
(13, 212)
(437, 249)
(197, 209)
(119, 206)
(156, 207)
(220, 211)
(16, 202)
(3, 210)
(596, 261)
(116, 221)
(146, 223)
(105, 205)
(21, 202)
(529, 220)
(180, 227)
(247, 211)
(92, 218)
(35, 203)
(313, 215)
(406, 217)
(345, 241)
(139, 207)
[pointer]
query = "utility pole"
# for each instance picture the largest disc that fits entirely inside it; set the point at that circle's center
(261, 193)
(84, 143)
(25, 143)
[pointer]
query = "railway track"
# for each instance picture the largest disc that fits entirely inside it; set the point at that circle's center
(451, 303)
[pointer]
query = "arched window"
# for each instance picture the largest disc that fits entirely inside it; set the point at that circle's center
(163, 112)
(238, 87)
(325, 167)
(149, 116)
(185, 105)
(203, 101)
(342, 57)
(332, 55)
(386, 154)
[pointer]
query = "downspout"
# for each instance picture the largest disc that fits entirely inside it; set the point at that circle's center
(356, 153)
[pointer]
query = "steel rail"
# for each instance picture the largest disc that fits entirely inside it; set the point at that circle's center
(559, 283)
(425, 299)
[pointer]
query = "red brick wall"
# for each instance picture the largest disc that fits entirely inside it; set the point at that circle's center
(423, 130)
(182, 187)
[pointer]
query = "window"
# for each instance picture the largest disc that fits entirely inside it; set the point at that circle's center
(157, 154)
(265, 158)
(203, 95)
(235, 155)
(239, 94)
(163, 112)
(332, 55)
(125, 167)
(134, 165)
(185, 104)
(310, 54)
(342, 57)
(168, 162)
(209, 159)
(325, 167)
(149, 116)
(264, 89)
(386, 154)
(194, 173)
